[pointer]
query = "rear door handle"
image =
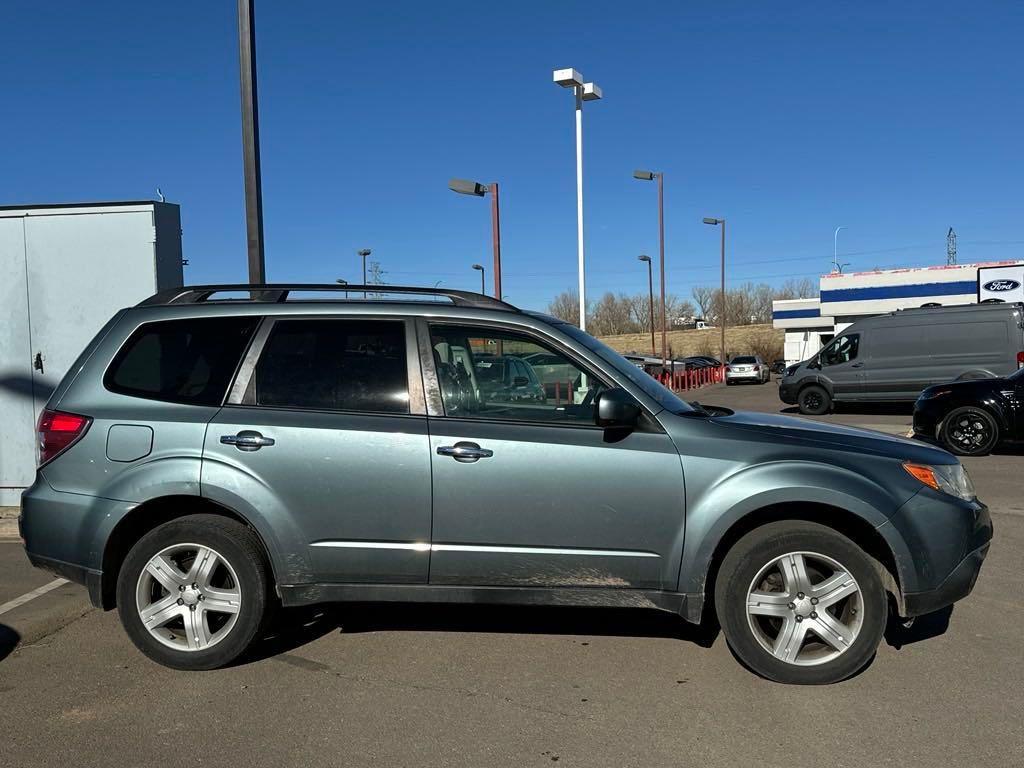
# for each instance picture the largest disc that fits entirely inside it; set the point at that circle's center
(857, 365)
(247, 440)
(464, 452)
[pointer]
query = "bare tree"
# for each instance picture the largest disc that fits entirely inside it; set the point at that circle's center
(566, 306)
(703, 296)
(612, 316)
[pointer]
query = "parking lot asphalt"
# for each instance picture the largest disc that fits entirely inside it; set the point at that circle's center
(447, 686)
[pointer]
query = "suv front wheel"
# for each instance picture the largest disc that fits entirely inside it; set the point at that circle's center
(192, 593)
(800, 603)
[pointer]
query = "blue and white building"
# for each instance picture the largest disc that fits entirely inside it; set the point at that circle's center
(848, 297)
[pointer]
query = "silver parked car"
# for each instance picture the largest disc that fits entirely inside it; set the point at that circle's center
(205, 460)
(749, 368)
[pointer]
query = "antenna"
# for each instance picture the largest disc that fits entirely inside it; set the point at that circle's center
(950, 247)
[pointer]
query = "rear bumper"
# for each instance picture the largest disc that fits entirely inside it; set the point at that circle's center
(65, 533)
(92, 580)
(956, 586)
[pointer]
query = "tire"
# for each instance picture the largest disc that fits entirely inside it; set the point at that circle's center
(226, 611)
(859, 607)
(814, 400)
(969, 431)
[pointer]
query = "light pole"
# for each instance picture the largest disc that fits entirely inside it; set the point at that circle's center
(650, 176)
(465, 187)
(251, 141)
(340, 281)
(483, 283)
(714, 222)
(836, 267)
(364, 252)
(570, 78)
(650, 303)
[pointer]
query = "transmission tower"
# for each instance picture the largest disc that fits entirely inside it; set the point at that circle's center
(950, 247)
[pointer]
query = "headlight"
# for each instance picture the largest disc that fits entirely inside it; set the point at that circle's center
(948, 478)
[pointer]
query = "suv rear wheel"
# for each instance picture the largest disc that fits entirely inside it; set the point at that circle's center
(800, 603)
(192, 593)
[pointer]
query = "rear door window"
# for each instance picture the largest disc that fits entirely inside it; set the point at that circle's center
(181, 361)
(336, 365)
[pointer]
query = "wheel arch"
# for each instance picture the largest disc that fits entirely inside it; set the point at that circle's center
(992, 406)
(153, 513)
(844, 521)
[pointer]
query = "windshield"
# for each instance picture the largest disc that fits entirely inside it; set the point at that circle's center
(664, 396)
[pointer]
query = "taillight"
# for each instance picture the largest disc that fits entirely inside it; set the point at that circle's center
(1020, 359)
(727, 369)
(57, 432)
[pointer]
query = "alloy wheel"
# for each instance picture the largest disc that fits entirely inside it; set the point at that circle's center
(188, 597)
(805, 608)
(969, 432)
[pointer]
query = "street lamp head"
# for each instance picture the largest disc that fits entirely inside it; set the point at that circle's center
(644, 258)
(467, 187)
(567, 78)
(478, 266)
(712, 222)
(363, 252)
(339, 281)
(644, 175)
(591, 92)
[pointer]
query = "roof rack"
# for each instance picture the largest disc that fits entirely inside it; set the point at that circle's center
(277, 293)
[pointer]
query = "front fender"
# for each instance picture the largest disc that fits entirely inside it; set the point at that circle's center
(775, 484)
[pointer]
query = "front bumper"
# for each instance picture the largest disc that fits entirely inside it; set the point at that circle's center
(954, 587)
(939, 542)
(787, 392)
(926, 419)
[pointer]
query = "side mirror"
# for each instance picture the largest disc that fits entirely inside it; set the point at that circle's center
(616, 408)
(520, 381)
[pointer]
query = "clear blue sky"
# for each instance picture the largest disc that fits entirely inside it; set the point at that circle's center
(894, 119)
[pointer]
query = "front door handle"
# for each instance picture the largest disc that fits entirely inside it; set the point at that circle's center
(857, 365)
(464, 452)
(247, 440)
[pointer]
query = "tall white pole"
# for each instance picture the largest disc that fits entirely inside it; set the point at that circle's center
(579, 204)
(835, 250)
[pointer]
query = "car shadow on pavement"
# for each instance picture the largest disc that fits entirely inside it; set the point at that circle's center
(296, 627)
(924, 627)
(9, 640)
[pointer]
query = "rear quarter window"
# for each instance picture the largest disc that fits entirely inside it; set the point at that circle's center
(181, 361)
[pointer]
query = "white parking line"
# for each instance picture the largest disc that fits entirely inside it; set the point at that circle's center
(11, 605)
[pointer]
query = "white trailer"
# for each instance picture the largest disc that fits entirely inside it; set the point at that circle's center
(64, 270)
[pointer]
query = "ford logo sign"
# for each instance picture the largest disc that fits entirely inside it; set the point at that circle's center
(997, 286)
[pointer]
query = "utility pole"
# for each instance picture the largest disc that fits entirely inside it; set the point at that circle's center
(251, 142)
(950, 247)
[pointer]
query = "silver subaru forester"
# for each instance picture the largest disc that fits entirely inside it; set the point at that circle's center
(218, 450)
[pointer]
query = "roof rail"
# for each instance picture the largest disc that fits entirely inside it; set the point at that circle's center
(277, 293)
